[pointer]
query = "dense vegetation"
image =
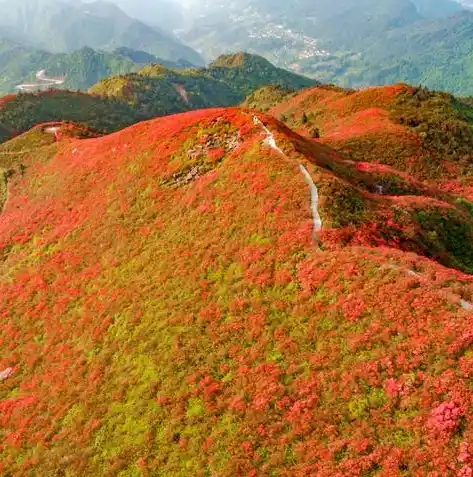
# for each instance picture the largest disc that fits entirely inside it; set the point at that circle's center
(167, 308)
(246, 73)
(389, 124)
(19, 113)
(82, 68)
(156, 90)
(436, 54)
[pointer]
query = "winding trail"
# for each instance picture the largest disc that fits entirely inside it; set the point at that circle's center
(465, 305)
(314, 193)
(44, 82)
(314, 200)
(314, 205)
(270, 140)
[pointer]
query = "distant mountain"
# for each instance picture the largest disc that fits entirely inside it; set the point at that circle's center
(63, 26)
(267, 25)
(142, 58)
(82, 68)
(166, 14)
(437, 54)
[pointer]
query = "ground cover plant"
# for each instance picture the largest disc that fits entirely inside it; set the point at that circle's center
(166, 308)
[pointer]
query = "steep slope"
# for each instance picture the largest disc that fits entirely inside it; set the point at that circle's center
(165, 311)
(63, 26)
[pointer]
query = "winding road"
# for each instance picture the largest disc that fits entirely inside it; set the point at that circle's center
(44, 82)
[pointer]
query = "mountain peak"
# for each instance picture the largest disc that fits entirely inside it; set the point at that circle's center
(154, 69)
(236, 60)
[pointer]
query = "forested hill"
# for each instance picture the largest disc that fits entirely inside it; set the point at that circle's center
(82, 68)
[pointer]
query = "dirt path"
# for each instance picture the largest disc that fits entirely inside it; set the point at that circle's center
(314, 200)
(314, 193)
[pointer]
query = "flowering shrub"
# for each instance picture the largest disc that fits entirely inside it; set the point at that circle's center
(444, 418)
(199, 330)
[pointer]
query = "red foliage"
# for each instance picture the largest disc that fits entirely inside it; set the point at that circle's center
(198, 328)
(216, 154)
(444, 418)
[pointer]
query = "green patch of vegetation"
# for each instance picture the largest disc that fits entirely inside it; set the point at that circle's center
(28, 109)
(345, 205)
(359, 407)
(442, 122)
(448, 236)
(266, 98)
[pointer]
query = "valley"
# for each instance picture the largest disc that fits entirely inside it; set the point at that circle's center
(414, 41)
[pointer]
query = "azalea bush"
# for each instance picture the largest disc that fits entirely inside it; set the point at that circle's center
(200, 330)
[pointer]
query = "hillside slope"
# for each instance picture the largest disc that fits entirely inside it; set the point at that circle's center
(436, 54)
(153, 91)
(227, 81)
(174, 302)
(18, 113)
(427, 134)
